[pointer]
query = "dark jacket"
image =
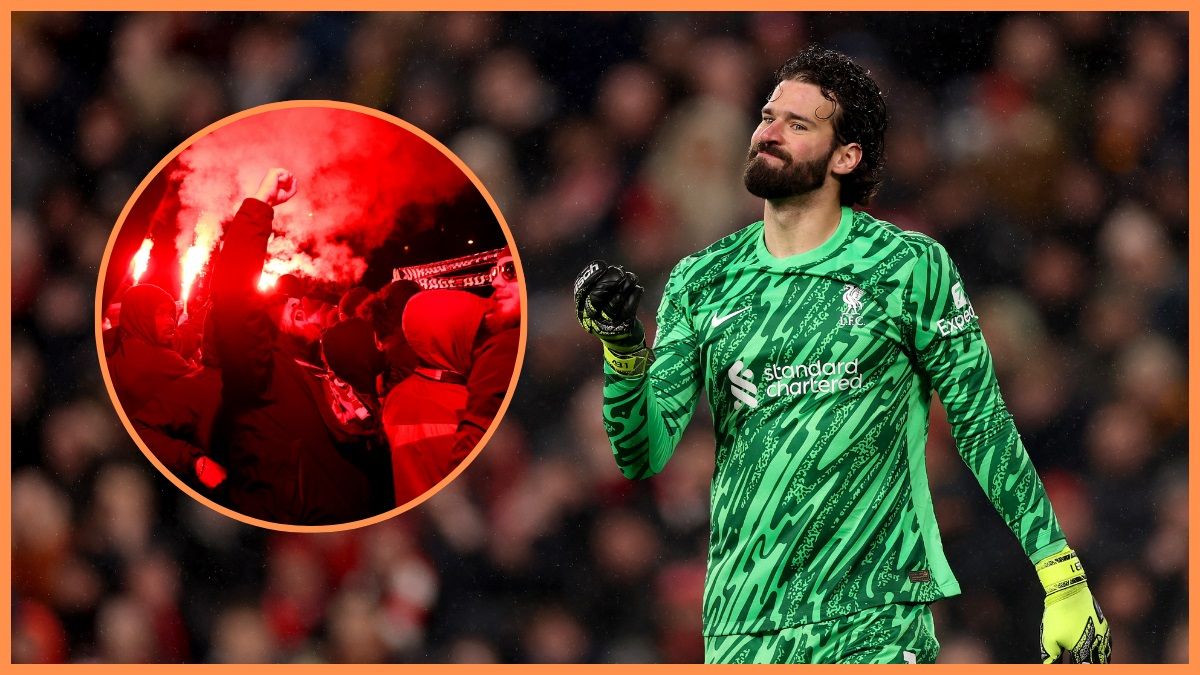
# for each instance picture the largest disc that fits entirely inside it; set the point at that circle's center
(141, 367)
(177, 424)
(492, 366)
(284, 463)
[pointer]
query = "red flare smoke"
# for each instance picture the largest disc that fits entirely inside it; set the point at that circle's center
(356, 175)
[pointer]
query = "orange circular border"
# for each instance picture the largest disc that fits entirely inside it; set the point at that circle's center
(512, 384)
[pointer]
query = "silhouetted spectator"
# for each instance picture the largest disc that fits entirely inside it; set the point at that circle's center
(143, 361)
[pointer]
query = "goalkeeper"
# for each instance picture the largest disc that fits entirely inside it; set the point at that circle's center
(818, 335)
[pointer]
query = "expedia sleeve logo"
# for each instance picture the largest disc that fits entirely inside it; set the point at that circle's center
(963, 315)
(960, 296)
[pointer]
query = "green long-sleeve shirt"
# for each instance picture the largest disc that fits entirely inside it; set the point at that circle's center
(819, 370)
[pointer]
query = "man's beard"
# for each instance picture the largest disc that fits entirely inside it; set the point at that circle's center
(790, 180)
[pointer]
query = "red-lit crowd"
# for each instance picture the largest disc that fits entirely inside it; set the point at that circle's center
(288, 408)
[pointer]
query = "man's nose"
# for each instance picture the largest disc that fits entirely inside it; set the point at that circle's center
(769, 135)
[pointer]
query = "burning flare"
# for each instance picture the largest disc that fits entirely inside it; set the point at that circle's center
(141, 260)
(204, 238)
(193, 261)
(267, 281)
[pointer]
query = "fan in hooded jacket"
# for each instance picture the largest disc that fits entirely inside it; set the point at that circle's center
(142, 360)
(421, 414)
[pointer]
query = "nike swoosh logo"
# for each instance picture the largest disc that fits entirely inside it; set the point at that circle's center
(718, 320)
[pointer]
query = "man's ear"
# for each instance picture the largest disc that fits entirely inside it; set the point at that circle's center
(846, 159)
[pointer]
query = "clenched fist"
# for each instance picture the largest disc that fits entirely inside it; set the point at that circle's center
(278, 186)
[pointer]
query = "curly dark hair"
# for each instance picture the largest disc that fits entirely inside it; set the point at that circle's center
(860, 114)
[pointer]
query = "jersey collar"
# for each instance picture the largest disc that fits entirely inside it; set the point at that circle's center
(819, 253)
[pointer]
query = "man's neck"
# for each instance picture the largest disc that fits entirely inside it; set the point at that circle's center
(800, 224)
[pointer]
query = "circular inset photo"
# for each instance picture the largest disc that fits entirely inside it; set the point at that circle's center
(310, 316)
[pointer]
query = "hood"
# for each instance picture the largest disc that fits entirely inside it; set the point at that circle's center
(441, 325)
(137, 310)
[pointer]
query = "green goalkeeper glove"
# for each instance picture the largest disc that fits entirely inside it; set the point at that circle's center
(606, 300)
(1072, 619)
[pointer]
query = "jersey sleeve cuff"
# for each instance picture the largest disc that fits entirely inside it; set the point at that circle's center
(1046, 551)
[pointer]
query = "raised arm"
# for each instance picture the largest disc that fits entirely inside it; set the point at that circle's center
(244, 332)
(649, 396)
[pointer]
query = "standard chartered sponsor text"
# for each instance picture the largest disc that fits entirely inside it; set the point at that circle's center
(818, 377)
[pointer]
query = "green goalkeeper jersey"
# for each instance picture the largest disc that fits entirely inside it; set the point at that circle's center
(819, 370)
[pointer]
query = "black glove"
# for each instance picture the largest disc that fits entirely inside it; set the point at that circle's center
(606, 300)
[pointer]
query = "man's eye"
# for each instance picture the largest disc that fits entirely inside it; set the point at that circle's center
(796, 126)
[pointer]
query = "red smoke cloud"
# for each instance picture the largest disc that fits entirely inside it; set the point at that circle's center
(355, 173)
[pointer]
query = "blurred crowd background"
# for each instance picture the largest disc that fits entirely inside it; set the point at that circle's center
(1048, 152)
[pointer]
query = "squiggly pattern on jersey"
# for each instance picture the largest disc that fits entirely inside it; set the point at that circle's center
(890, 634)
(820, 502)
